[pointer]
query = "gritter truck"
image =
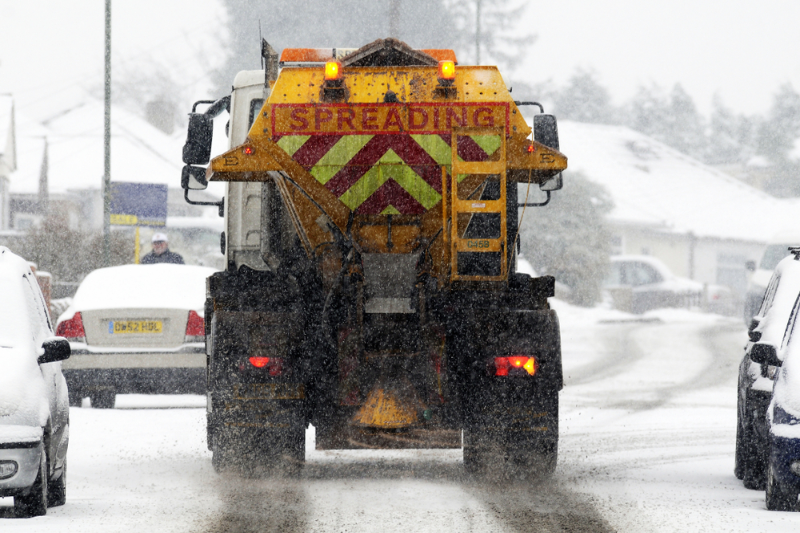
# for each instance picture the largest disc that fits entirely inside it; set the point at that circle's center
(372, 221)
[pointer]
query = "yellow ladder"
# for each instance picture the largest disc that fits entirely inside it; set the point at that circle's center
(458, 206)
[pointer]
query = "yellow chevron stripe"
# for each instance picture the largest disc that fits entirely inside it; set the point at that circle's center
(292, 143)
(338, 156)
(488, 143)
(435, 147)
(380, 173)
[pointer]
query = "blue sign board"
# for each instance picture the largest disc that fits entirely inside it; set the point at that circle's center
(138, 204)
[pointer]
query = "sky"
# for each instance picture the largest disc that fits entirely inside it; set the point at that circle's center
(741, 50)
(52, 51)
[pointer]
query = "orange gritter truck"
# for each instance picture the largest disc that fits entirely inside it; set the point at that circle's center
(371, 229)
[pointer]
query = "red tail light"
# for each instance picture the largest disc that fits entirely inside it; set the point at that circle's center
(72, 329)
(195, 328)
(274, 365)
(523, 362)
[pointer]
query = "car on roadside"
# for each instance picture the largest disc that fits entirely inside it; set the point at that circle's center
(34, 412)
(783, 413)
(639, 283)
(136, 329)
(777, 249)
(756, 379)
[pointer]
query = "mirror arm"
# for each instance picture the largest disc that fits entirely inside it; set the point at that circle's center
(220, 204)
(518, 103)
(531, 204)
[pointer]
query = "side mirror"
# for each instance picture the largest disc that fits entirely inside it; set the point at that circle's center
(56, 349)
(193, 178)
(750, 266)
(553, 184)
(197, 150)
(545, 130)
(765, 354)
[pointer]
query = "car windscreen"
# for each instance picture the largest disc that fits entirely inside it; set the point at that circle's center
(773, 255)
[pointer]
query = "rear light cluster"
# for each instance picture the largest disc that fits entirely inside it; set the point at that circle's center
(72, 329)
(195, 328)
(273, 365)
(515, 365)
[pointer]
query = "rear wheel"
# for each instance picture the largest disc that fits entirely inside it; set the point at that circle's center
(738, 463)
(779, 499)
(103, 398)
(754, 460)
(57, 493)
(35, 502)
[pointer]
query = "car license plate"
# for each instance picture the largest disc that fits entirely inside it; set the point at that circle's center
(116, 327)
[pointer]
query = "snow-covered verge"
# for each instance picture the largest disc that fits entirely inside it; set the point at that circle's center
(647, 423)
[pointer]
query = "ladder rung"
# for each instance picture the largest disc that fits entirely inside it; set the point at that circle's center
(478, 167)
(478, 206)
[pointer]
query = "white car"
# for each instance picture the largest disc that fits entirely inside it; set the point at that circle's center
(777, 249)
(638, 283)
(34, 411)
(136, 329)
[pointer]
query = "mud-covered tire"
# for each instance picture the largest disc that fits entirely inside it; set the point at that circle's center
(103, 399)
(777, 498)
(35, 502)
(57, 489)
(754, 460)
(738, 461)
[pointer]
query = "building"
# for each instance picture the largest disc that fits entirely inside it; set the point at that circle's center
(704, 224)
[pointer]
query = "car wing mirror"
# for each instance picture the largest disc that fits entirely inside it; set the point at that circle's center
(55, 349)
(197, 150)
(193, 178)
(765, 354)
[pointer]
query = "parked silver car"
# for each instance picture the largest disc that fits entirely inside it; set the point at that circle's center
(136, 329)
(34, 412)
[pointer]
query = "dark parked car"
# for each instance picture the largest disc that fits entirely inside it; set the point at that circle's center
(756, 378)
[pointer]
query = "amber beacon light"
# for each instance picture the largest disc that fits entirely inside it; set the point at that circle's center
(333, 71)
(447, 72)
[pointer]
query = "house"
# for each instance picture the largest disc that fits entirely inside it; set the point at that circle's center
(701, 222)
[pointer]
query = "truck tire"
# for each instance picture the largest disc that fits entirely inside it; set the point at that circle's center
(35, 502)
(103, 398)
(777, 498)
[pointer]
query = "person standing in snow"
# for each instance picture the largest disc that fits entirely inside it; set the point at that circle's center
(161, 252)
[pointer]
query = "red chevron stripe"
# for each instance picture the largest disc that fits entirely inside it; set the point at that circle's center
(468, 149)
(314, 148)
(404, 146)
(390, 193)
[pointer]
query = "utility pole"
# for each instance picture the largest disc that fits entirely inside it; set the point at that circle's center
(394, 18)
(106, 189)
(477, 32)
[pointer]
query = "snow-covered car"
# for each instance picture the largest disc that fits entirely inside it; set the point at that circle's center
(34, 413)
(638, 283)
(136, 329)
(777, 249)
(783, 413)
(767, 327)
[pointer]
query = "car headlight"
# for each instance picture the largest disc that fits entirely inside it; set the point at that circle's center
(8, 469)
(779, 416)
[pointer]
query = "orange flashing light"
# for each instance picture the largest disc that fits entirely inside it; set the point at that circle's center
(248, 150)
(447, 71)
(333, 71)
(259, 362)
(531, 148)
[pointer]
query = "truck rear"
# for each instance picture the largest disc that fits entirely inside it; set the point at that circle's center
(372, 224)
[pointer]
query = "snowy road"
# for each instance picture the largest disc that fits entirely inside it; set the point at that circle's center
(647, 421)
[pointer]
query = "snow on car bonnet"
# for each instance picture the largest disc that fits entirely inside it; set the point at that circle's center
(135, 286)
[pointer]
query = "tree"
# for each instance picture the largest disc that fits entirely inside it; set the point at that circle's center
(318, 23)
(776, 140)
(724, 140)
(569, 239)
(584, 100)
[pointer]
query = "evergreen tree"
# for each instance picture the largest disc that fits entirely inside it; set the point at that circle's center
(569, 239)
(584, 100)
(776, 140)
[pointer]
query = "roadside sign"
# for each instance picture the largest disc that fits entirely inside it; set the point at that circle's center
(138, 204)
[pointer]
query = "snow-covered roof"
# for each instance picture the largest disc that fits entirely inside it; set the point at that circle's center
(652, 184)
(139, 151)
